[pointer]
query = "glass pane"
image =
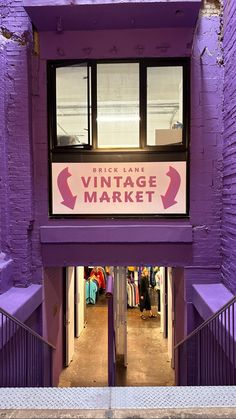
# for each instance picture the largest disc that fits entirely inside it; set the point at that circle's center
(72, 105)
(118, 105)
(164, 105)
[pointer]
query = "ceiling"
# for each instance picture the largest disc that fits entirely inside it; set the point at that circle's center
(49, 16)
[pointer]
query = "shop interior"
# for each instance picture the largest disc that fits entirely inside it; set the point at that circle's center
(143, 333)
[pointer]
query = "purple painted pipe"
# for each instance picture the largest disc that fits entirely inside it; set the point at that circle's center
(109, 286)
(111, 333)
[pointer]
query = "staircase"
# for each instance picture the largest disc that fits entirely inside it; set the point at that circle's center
(207, 357)
(26, 359)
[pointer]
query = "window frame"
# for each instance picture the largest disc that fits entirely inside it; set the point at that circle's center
(145, 64)
(92, 147)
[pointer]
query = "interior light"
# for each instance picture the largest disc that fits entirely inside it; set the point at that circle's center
(118, 118)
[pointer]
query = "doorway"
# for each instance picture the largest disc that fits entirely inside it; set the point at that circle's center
(147, 361)
(143, 347)
(85, 307)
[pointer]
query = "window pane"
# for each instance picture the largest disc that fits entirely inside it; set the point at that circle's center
(164, 105)
(118, 105)
(72, 105)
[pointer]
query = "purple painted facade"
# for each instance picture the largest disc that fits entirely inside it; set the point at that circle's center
(202, 245)
(229, 169)
(53, 316)
(16, 185)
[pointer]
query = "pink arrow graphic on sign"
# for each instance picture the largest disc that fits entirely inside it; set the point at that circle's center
(169, 198)
(68, 199)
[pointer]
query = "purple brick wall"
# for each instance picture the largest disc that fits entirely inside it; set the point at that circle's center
(74, 44)
(15, 138)
(206, 141)
(24, 166)
(24, 172)
(205, 180)
(206, 152)
(206, 123)
(2, 145)
(229, 172)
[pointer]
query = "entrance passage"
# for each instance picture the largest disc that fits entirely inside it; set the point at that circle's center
(142, 344)
(89, 365)
(148, 362)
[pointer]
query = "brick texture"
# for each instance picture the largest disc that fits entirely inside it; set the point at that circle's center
(206, 141)
(25, 170)
(229, 152)
(15, 138)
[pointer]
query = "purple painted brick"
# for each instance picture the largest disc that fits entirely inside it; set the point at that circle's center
(23, 134)
(229, 170)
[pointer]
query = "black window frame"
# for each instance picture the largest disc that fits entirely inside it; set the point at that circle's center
(145, 64)
(92, 130)
(78, 153)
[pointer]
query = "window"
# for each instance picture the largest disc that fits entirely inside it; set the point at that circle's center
(72, 105)
(118, 105)
(164, 106)
(118, 138)
(102, 106)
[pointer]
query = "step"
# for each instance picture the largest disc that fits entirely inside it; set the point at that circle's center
(119, 402)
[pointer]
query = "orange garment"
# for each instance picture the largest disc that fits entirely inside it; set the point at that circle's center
(99, 277)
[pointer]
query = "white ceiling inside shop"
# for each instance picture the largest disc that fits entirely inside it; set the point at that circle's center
(118, 94)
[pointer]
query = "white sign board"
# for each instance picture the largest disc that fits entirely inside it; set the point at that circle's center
(119, 188)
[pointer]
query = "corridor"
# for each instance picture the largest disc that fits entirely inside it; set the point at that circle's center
(148, 363)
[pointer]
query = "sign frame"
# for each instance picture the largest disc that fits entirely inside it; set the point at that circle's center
(70, 214)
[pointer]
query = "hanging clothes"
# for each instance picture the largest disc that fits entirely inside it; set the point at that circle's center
(132, 294)
(100, 275)
(158, 278)
(91, 291)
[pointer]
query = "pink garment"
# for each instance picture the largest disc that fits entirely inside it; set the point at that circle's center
(136, 295)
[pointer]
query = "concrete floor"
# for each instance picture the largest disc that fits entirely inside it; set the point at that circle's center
(148, 363)
(89, 365)
(194, 413)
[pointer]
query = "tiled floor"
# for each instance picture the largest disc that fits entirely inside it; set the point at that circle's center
(148, 363)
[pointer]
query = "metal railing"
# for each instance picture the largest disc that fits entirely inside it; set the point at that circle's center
(208, 355)
(26, 359)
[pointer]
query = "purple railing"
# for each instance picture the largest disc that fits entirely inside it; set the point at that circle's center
(25, 357)
(207, 357)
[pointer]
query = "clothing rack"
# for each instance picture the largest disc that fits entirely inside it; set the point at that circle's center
(132, 294)
(98, 277)
(91, 294)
